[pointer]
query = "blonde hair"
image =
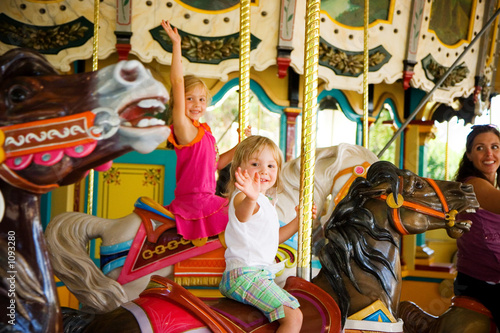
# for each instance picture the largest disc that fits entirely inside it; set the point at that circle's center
(245, 150)
(190, 82)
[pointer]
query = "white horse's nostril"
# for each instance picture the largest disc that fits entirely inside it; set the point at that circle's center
(130, 72)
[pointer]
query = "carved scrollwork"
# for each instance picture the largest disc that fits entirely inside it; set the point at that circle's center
(46, 40)
(351, 63)
(435, 71)
(201, 49)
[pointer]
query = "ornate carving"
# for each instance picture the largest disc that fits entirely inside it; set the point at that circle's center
(434, 72)
(152, 177)
(351, 63)
(46, 40)
(201, 49)
(112, 176)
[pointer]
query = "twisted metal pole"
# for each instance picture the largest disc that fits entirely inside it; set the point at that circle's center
(366, 20)
(308, 146)
(244, 96)
(95, 58)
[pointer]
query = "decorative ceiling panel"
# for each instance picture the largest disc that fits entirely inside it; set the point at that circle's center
(61, 30)
(412, 41)
(342, 31)
(210, 37)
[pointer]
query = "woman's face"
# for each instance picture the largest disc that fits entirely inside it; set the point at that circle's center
(485, 154)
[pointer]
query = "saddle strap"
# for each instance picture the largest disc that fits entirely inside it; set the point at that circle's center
(471, 304)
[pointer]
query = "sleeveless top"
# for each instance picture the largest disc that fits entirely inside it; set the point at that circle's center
(479, 249)
(253, 243)
(198, 211)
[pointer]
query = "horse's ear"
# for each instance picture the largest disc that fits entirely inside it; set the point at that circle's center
(24, 62)
(373, 192)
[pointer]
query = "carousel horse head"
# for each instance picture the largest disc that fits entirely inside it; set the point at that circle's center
(365, 228)
(53, 129)
(57, 127)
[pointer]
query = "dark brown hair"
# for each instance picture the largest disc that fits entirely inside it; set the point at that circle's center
(466, 168)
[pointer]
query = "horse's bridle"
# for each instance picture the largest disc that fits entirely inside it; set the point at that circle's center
(355, 171)
(445, 214)
(48, 137)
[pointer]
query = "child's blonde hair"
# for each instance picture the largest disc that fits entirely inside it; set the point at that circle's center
(245, 150)
(190, 82)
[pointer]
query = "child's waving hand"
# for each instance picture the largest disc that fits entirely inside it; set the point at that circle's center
(247, 184)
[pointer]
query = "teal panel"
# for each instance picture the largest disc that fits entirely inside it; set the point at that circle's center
(263, 99)
(45, 209)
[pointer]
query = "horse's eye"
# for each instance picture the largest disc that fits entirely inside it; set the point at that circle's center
(419, 185)
(18, 94)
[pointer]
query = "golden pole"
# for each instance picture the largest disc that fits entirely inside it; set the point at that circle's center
(244, 96)
(95, 51)
(308, 147)
(447, 154)
(365, 74)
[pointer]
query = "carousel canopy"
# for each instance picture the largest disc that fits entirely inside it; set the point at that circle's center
(413, 41)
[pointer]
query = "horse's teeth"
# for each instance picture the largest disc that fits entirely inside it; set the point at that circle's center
(143, 123)
(470, 210)
(146, 122)
(151, 103)
(156, 121)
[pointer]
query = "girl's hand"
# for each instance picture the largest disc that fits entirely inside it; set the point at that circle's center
(173, 34)
(244, 182)
(314, 211)
(248, 131)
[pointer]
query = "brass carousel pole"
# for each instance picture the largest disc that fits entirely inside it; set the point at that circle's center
(447, 152)
(244, 96)
(365, 73)
(95, 51)
(308, 146)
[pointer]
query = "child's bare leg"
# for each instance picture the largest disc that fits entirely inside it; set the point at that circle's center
(292, 322)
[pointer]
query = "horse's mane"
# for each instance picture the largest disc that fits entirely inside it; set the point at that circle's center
(67, 231)
(346, 231)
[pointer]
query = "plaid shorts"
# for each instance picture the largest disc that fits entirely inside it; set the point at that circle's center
(256, 286)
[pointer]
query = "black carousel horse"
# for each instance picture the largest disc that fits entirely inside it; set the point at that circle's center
(361, 262)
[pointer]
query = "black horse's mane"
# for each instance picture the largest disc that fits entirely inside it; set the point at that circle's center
(346, 231)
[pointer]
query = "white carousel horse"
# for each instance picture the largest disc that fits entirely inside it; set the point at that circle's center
(68, 233)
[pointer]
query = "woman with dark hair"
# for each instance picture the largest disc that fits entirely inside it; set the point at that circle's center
(478, 260)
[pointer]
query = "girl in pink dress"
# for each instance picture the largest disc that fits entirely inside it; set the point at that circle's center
(198, 212)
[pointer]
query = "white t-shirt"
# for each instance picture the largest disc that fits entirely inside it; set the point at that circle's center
(253, 243)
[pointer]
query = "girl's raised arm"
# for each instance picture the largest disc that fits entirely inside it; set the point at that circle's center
(184, 129)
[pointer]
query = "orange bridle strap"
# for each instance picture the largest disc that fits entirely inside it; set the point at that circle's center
(445, 214)
(355, 171)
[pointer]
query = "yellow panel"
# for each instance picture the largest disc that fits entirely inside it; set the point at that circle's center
(124, 183)
(426, 295)
(372, 308)
(66, 298)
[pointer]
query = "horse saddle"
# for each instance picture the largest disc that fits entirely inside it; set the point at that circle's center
(157, 243)
(320, 311)
(156, 218)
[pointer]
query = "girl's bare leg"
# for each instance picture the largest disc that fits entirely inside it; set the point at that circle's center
(292, 322)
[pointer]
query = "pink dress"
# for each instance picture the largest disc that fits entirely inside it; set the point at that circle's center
(198, 211)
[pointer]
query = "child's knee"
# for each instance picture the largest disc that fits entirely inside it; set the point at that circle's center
(299, 316)
(293, 315)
